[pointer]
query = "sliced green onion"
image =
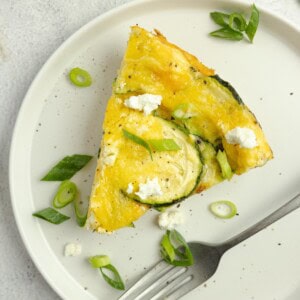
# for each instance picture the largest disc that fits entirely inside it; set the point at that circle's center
(183, 111)
(167, 248)
(220, 18)
(66, 193)
(51, 215)
(228, 34)
(253, 23)
(116, 282)
(223, 209)
(224, 164)
(175, 250)
(237, 22)
(99, 261)
(80, 77)
(164, 145)
(67, 167)
(137, 140)
(80, 211)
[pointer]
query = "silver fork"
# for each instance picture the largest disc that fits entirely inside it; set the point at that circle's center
(165, 281)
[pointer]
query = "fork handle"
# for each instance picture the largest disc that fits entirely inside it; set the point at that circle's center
(270, 219)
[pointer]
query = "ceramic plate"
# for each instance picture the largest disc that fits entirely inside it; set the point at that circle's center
(58, 119)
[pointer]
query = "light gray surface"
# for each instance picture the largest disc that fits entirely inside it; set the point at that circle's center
(30, 30)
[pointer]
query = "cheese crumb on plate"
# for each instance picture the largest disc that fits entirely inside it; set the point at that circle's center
(168, 220)
(72, 249)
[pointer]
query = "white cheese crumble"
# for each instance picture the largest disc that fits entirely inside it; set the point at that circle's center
(145, 102)
(168, 220)
(245, 137)
(149, 189)
(129, 188)
(72, 249)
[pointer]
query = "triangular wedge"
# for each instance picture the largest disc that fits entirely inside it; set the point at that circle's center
(197, 112)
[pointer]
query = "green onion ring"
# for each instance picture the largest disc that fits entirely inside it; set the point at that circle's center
(223, 209)
(80, 77)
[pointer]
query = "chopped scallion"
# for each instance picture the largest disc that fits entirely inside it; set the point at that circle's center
(175, 250)
(116, 282)
(66, 193)
(102, 262)
(224, 165)
(233, 25)
(138, 141)
(51, 215)
(164, 145)
(99, 261)
(237, 22)
(80, 211)
(80, 77)
(253, 23)
(220, 18)
(223, 209)
(67, 167)
(228, 34)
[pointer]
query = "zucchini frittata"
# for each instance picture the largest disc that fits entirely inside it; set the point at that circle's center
(172, 128)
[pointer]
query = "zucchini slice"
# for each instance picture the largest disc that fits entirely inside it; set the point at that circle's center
(177, 172)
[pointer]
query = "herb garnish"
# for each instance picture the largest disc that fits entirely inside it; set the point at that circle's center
(102, 262)
(65, 194)
(80, 77)
(234, 24)
(154, 144)
(223, 209)
(51, 215)
(175, 250)
(67, 167)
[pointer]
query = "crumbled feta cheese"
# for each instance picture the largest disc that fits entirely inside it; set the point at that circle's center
(245, 137)
(129, 188)
(168, 220)
(109, 154)
(149, 189)
(72, 249)
(145, 102)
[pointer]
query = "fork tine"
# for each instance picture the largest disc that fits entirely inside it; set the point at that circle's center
(161, 283)
(168, 292)
(159, 270)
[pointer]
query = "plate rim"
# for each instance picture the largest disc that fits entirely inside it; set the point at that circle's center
(26, 100)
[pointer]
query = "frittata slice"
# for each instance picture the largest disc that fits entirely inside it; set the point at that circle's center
(216, 134)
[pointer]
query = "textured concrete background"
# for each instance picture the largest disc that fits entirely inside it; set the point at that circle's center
(30, 30)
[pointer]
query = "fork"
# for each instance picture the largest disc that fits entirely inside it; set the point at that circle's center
(165, 281)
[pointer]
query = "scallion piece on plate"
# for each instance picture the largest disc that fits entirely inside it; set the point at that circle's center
(223, 209)
(51, 215)
(136, 139)
(99, 261)
(80, 77)
(164, 145)
(224, 164)
(67, 167)
(65, 194)
(102, 262)
(175, 250)
(237, 22)
(253, 23)
(80, 211)
(116, 280)
(228, 34)
(220, 18)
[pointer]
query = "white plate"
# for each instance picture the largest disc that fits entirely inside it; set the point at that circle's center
(58, 119)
